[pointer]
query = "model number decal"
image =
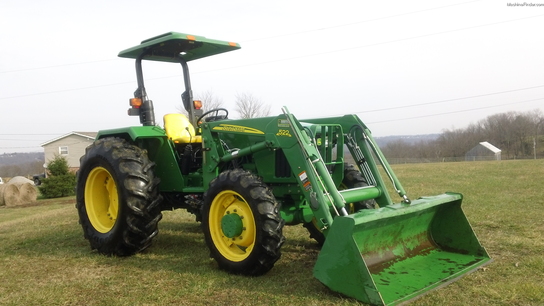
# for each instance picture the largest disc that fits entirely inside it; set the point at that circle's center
(283, 133)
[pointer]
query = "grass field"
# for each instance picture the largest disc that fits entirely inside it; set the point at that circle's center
(44, 259)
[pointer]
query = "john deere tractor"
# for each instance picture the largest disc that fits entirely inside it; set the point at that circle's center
(245, 179)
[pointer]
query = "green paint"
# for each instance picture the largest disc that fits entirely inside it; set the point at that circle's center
(396, 253)
(412, 276)
(169, 46)
(231, 225)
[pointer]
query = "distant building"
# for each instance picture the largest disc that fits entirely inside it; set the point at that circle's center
(71, 146)
(483, 151)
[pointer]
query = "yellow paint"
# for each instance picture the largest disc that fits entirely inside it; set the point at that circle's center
(237, 128)
(285, 133)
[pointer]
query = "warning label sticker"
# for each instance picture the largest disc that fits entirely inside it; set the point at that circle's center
(305, 181)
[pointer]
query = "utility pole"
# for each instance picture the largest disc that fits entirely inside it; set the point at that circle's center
(534, 146)
(535, 138)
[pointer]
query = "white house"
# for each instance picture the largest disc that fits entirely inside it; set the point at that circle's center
(71, 146)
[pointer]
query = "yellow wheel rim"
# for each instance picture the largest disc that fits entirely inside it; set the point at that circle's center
(101, 199)
(239, 246)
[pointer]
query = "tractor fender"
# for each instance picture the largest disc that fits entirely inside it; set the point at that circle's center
(159, 149)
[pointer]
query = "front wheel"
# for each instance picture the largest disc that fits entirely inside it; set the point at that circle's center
(117, 197)
(242, 224)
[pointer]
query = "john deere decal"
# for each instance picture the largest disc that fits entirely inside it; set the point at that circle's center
(237, 128)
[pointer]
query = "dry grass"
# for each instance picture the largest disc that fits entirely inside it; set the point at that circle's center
(44, 259)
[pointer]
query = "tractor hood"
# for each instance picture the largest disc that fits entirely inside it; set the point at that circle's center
(171, 46)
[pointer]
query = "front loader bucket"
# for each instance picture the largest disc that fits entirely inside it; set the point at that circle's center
(390, 255)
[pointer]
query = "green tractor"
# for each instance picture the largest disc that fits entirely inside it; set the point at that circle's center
(245, 179)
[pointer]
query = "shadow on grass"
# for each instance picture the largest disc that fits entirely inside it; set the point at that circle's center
(178, 255)
(180, 248)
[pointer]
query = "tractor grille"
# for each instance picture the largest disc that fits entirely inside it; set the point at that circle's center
(282, 165)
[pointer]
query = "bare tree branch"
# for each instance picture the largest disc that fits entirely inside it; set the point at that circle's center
(249, 106)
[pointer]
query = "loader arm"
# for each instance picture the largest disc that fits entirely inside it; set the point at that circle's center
(316, 178)
(362, 147)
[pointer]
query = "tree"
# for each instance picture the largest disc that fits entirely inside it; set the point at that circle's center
(60, 182)
(497, 130)
(248, 106)
(58, 166)
(398, 149)
(455, 143)
(522, 131)
(537, 120)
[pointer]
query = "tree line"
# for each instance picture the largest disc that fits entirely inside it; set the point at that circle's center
(519, 135)
(23, 167)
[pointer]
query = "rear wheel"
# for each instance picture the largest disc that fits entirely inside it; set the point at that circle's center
(117, 197)
(241, 223)
(352, 179)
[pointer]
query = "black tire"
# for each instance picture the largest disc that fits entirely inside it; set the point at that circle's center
(242, 223)
(117, 195)
(352, 179)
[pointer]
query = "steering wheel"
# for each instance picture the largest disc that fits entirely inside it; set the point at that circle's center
(215, 117)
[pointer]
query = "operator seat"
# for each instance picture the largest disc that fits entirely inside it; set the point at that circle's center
(179, 129)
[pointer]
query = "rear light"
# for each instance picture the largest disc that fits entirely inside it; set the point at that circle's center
(197, 104)
(135, 102)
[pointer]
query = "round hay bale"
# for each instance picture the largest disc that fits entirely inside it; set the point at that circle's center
(27, 193)
(2, 187)
(9, 195)
(19, 180)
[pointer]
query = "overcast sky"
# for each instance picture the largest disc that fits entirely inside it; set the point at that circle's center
(405, 67)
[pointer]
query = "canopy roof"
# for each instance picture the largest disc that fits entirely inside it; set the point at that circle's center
(169, 47)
